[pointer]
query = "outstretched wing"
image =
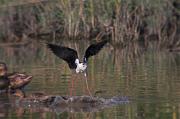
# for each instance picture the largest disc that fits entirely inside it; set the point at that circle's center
(94, 49)
(65, 53)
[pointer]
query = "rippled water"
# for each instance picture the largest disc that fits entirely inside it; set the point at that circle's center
(149, 79)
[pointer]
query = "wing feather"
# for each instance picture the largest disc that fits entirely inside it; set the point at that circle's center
(94, 49)
(67, 54)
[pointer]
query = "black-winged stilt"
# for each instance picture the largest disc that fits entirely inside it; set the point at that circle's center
(71, 56)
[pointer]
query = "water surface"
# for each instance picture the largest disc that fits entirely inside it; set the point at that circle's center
(150, 79)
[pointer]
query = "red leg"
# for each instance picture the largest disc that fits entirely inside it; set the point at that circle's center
(75, 85)
(72, 87)
(69, 88)
(87, 87)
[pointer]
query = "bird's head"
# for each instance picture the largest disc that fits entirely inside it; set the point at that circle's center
(3, 69)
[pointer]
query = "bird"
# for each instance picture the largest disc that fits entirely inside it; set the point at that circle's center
(71, 56)
(19, 80)
(12, 81)
(4, 82)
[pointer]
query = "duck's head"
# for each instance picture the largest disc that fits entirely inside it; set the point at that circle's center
(3, 69)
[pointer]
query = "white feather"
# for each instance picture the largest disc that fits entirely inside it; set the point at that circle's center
(81, 67)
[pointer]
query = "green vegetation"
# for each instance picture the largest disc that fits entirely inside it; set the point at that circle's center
(126, 21)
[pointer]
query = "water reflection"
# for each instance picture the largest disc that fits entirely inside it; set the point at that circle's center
(150, 79)
(3, 106)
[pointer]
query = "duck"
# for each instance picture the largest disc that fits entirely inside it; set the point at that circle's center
(36, 97)
(4, 81)
(18, 80)
(20, 94)
(12, 81)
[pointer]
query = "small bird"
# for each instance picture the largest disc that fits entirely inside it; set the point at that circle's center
(71, 56)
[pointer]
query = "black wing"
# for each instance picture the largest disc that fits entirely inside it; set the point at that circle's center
(65, 53)
(94, 49)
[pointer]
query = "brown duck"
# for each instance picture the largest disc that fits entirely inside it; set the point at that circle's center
(4, 81)
(12, 81)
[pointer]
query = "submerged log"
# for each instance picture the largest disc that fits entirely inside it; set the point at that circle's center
(69, 103)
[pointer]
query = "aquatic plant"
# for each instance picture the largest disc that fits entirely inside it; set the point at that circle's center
(125, 21)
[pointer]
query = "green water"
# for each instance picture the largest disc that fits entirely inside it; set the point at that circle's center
(149, 79)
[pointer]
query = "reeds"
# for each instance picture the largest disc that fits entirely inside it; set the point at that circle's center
(125, 21)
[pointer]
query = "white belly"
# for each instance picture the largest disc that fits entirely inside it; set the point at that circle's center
(81, 67)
